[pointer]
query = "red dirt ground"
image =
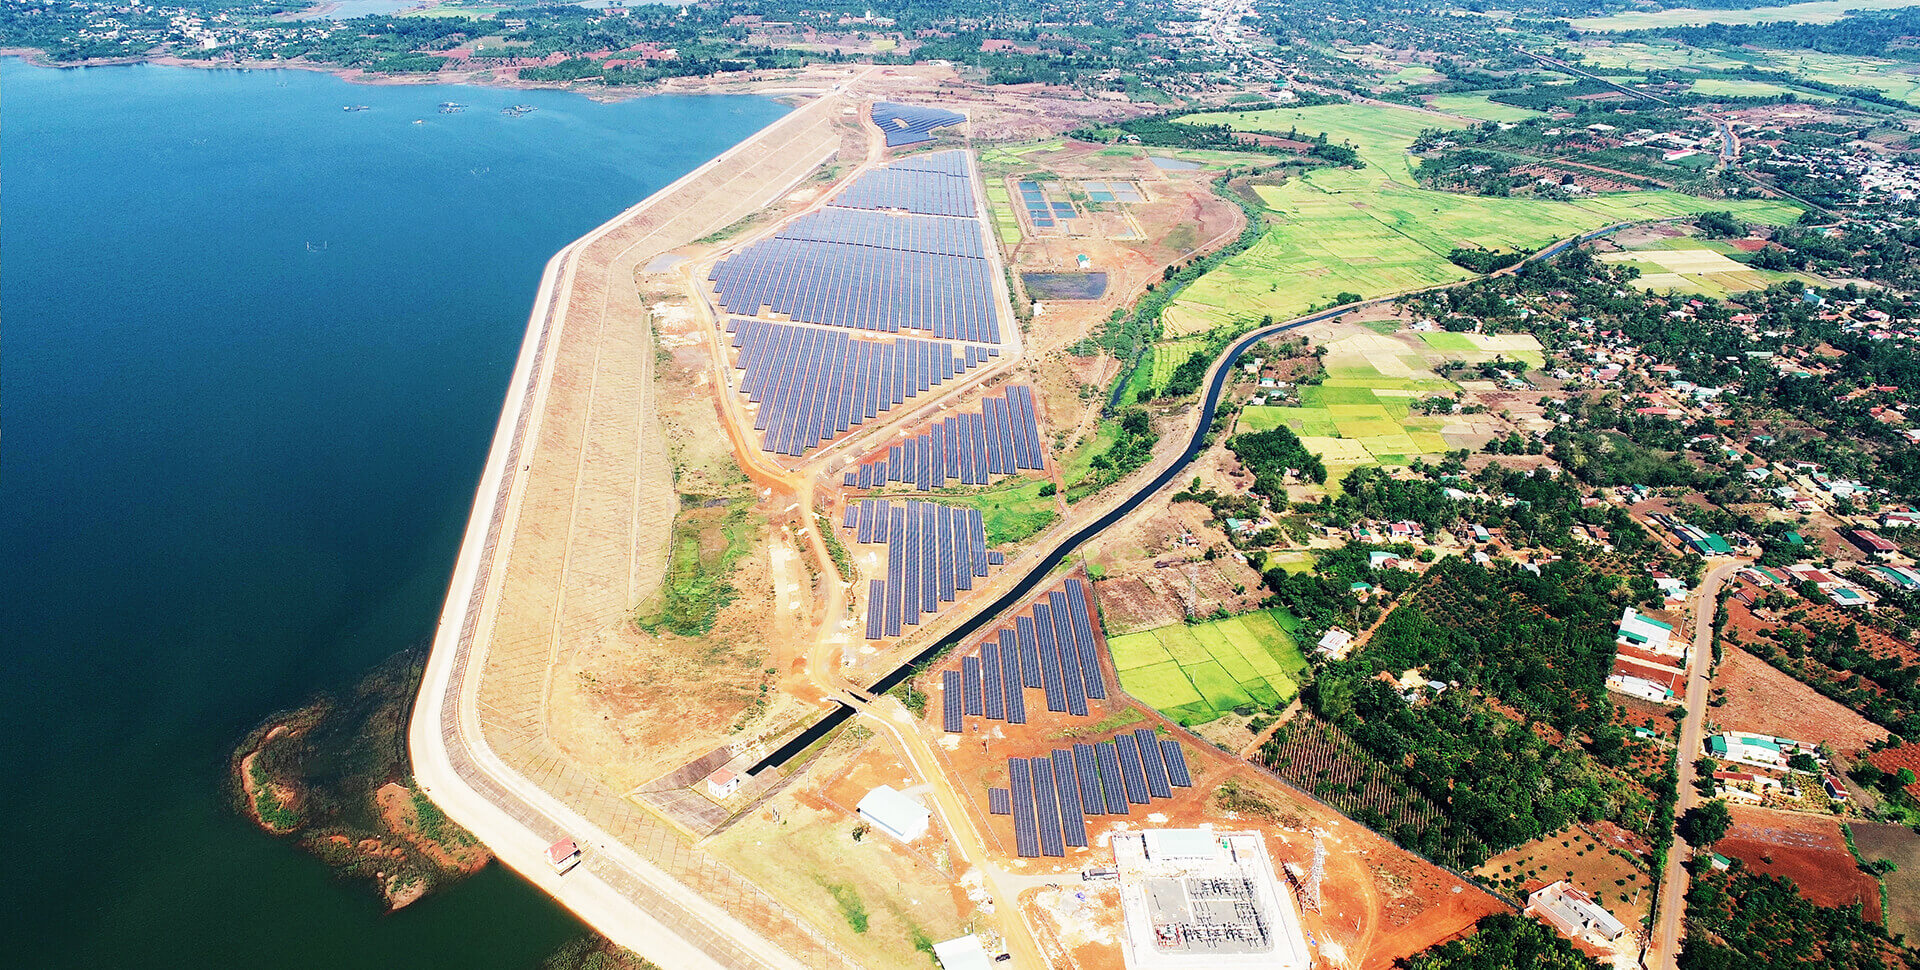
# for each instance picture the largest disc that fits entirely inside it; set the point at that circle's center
(1763, 699)
(1808, 849)
(1380, 902)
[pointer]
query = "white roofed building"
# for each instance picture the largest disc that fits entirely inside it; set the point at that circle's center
(894, 813)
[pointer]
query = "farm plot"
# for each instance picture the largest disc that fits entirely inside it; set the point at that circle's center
(1901, 846)
(1195, 673)
(1689, 266)
(1374, 232)
(1807, 849)
(1479, 107)
(1612, 877)
(1319, 758)
(1169, 355)
(1765, 700)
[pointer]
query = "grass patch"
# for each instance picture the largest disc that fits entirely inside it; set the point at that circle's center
(1011, 511)
(708, 539)
(1204, 670)
(1374, 231)
(848, 899)
(842, 559)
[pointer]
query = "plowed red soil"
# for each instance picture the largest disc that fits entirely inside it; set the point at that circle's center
(1807, 849)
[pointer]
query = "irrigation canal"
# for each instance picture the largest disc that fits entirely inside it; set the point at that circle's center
(1041, 570)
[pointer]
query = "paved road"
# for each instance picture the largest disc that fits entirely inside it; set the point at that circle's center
(1673, 885)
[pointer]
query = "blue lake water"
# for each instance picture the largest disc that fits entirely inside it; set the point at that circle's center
(254, 350)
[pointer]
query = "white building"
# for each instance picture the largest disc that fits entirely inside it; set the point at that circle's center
(1335, 643)
(1645, 634)
(962, 953)
(722, 783)
(894, 813)
(1574, 913)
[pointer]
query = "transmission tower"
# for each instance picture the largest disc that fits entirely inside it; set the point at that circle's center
(1310, 893)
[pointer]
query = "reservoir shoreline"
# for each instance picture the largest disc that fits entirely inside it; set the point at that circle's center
(622, 895)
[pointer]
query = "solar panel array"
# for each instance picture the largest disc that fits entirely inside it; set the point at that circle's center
(999, 801)
(910, 124)
(934, 552)
(1050, 648)
(1002, 438)
(935, 184)
(1086, 780)
(813, 384)
(898, 248)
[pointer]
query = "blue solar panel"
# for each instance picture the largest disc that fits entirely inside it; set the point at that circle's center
(1083, 633)
(1010, 678)
(970, 685)
(999, 801)
(1029, 652)
(1071, 681)
(1155, 769)
(1176, 760)
(876, 609)
(1066, 789)
(994, 699)
(1110, 781)
(1046, 808)
(950, 701)
(1087, 768)
(908, 124)
(1131, 773)
(1049, 659)
(1026, 836)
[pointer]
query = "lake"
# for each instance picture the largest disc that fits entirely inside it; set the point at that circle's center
(255, 347)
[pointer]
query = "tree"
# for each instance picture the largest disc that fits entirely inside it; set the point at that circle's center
(1703, 825)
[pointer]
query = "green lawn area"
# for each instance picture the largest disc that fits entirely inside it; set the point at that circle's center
(1303, 421)
(1479, 107)
(1374, 232)
(1170, 354)
(1810, 12)
(1011, 511)
(1197, 672)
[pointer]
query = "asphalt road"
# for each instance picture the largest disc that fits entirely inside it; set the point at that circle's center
(1665, 950)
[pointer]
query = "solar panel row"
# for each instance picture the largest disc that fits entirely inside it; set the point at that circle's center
(1087, 765)
(812, 384)
(935, 184)
(995, 699)
(1066, 787)
(1046, 808)
(999, 801)
(1132, 775)
(1110, 784)
(1026, 837)
(1001, 439)
(904, 232)
(950, 702)
(933, 551)
(1176, 760)
(909, 124)
(861, 287)
(970, 685)
(1156, 770)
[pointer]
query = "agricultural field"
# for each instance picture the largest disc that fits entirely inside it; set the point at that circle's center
(1809, 12)
(1713, 87)
(1686, 265)
(1761, 698)
(1808, 849)
(1000, 206)
(1361, 413)
(1478, 107)
(1195, 673)
(1894, 79)
(1901, 846)
(1321, 759)
(1169, 355)
(1614, 880)
(1374, 232)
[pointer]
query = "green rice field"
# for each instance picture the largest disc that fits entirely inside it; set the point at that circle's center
(1169, 355)
(1374, 232)
(1479, 107)
(1195, 673)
